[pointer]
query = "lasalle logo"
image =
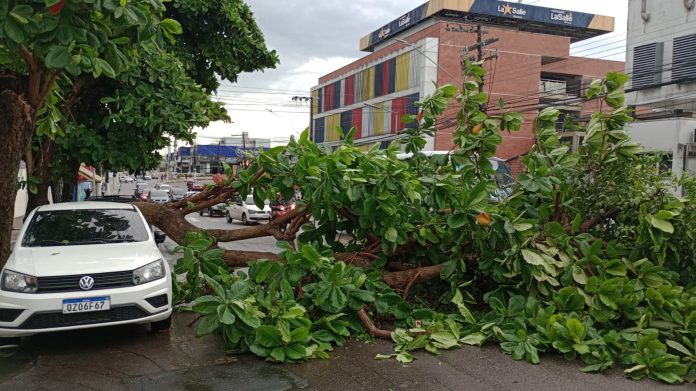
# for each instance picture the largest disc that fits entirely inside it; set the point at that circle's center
(507, 9)
(562, 16)
(384, 32)
(404, 20)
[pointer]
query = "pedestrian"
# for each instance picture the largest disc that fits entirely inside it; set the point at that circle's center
(88, 191)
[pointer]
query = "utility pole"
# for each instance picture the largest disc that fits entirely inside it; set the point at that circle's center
(309, 99)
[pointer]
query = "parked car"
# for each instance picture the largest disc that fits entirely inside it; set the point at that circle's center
(196, 187)
(178, 194)
(158, 196)
(82, 265)
(215, 210)
(147, 177)
(246, 211)
(163, 186)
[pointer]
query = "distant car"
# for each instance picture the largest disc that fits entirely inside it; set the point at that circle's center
(158, 196)
(246, 211)
(129, 179)
(177, 194)
(215, 210)
(102, 267)
(143, 194)
(196, 187)
(147, 177)
(163, 186)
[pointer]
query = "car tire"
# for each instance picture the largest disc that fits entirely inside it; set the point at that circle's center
(245, 221)
(228, 217)
(161, 325)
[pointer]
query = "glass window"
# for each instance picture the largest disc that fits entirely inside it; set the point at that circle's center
(84, 226)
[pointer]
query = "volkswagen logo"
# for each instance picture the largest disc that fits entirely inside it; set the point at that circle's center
(86, 283)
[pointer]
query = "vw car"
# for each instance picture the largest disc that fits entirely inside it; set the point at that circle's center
(158, 196)
(82, 265)
(246, 211)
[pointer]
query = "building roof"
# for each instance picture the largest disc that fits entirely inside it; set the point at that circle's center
(576, 25)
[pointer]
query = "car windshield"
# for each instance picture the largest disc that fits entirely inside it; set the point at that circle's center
(159, 193)
(84, 226)
(250, 201)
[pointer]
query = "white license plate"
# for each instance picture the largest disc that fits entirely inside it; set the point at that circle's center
(89, 304)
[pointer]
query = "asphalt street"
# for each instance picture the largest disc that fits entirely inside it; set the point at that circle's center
(132, 358)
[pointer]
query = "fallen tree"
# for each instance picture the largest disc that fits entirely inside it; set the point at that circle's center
(589, 256)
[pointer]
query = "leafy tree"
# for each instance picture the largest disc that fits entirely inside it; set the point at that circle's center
(583, 258)
(44, 41)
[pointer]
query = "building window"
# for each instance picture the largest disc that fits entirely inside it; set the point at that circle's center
(647, 65)
(684, 57)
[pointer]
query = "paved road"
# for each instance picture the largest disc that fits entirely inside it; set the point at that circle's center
(132, 358)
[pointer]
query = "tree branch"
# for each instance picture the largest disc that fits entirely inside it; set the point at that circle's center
(370, 326)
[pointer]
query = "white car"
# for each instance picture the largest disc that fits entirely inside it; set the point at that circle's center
(247, 211)
(163, 186)
(83, 265)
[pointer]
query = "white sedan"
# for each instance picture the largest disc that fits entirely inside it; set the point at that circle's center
(82, 265)
(247, 211)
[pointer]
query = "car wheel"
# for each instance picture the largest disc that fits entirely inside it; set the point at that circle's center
(245, 221)
(161, 325)
(228, 217)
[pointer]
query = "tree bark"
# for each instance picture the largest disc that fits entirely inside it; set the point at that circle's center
(42, 168)
(16, 129)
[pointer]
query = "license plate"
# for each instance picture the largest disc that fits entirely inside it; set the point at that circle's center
(89, 304)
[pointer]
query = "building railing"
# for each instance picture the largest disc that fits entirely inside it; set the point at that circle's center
(552, 87)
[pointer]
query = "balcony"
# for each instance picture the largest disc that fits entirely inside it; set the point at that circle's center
(554, 93)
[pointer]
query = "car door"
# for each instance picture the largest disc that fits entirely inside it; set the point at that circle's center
(236, 209)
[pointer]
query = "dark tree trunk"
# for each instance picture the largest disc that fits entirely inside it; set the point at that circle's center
(42, 168)
(16, 129)
(69, 182)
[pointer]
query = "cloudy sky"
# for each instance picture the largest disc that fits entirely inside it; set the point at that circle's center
(314, 38)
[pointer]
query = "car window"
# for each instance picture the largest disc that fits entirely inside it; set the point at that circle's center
(84, 226)
(250, 201)
(159, 193)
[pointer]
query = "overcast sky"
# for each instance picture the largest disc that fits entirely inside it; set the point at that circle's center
(313, 38)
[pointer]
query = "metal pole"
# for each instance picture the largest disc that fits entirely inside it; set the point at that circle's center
(311, 118)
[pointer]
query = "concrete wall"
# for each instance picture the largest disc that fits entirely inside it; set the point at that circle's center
(667, 19)
(672, 135)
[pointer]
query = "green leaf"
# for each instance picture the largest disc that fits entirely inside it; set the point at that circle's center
(391, 234)
(227, 316)
(58, 57)
(457, 220)
(300, 334)
(207, 325)
(662, 225)
(22, 13)
(533, 258)
(576, 329)
(679, 347)
(171, 26)
(268, 336)
(205, 304)
(474, 339)
(106, 68)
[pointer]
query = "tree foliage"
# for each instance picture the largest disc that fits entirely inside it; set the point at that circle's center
(584, 258)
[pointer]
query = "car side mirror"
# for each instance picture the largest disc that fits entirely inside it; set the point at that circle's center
(160, 237)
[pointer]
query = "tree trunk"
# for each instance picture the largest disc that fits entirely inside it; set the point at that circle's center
(42, 168)
(73, 167)
(16, 129)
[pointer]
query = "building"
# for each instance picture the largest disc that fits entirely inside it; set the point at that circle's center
(210, 158)
(528, 65)
(661, 58)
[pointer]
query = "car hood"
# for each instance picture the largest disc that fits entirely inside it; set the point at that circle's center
(266, 208)
(89, 258)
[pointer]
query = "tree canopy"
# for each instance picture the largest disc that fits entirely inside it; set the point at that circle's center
(584, 258)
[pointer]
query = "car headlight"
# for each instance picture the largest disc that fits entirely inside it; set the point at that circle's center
(150, 272)
(18, 282)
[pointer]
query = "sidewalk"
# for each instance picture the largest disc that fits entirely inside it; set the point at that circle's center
(16, 226)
